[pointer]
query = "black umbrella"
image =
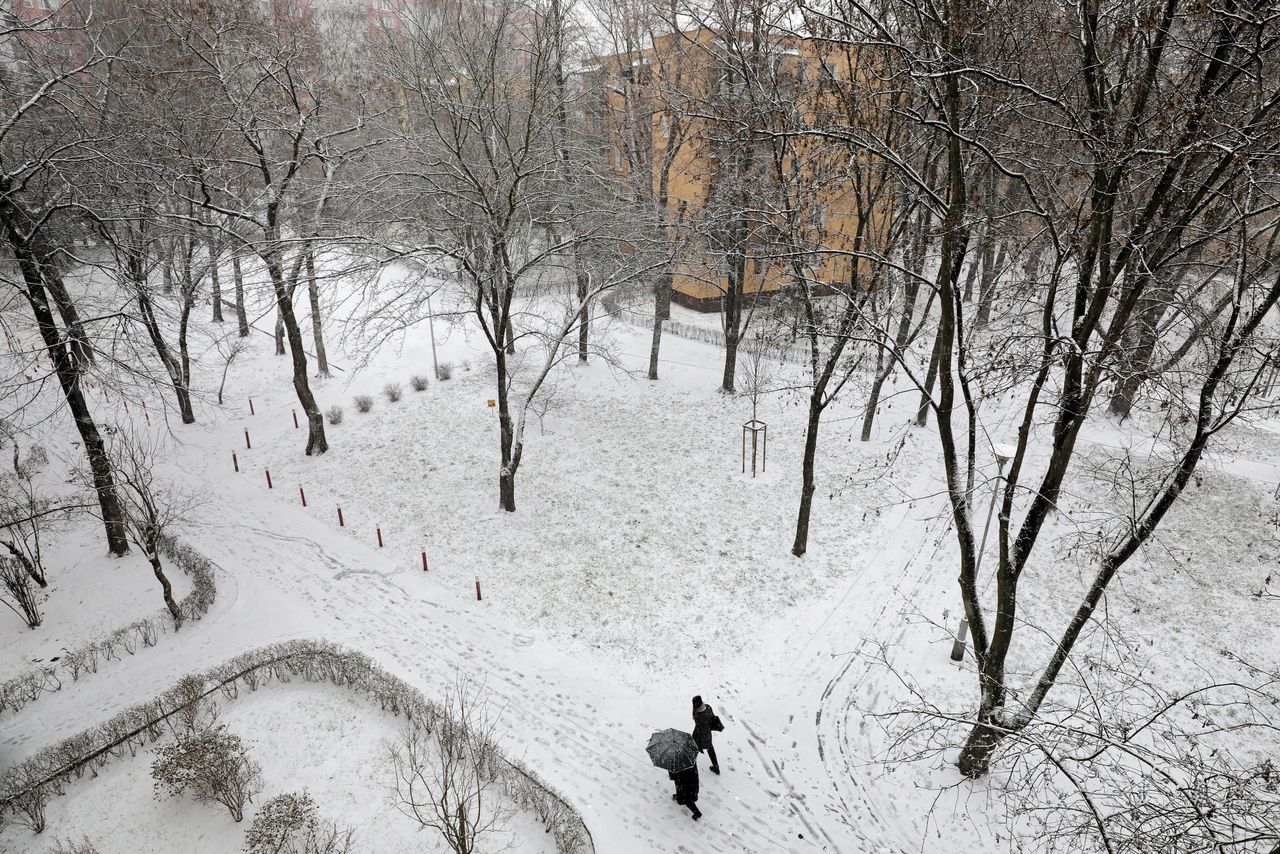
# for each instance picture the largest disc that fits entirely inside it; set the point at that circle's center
(672, 750)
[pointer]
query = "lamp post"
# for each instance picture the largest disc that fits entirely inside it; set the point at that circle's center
(431, 329)
(1003, 454)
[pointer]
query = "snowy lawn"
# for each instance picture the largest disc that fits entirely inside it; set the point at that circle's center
(637, 534)
(90, 595)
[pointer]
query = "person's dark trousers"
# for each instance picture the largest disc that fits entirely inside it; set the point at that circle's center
(715, 765)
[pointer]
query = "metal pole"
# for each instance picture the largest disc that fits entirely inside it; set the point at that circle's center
(431, 329)
(995, 490)
(957, 647)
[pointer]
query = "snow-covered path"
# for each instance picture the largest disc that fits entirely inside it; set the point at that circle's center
(286, 574)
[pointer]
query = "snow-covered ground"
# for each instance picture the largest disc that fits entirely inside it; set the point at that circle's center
(643, 567)
(89, 596)
(305, 737)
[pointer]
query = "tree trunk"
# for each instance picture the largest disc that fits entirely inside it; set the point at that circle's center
(242, 316)
(930, 377)
(317, 330)
(69, 378)
(801, 544)
(215, 282)
(506, 438)
(171, 365)
(317, 444)
(1135, 358)
(584, 316)
(873, 402)
(733, 321)
(280, 329)
(975, 757)
(184, 359)
(987, 284)
(165, 587)
(661, 312)
(81, 349)
(730, 361)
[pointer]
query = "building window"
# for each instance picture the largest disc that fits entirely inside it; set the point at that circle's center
(757, 265)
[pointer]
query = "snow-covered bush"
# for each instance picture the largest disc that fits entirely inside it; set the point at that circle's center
(29, 798)
(195, 711)
(69, 846)
(444, 371)
(334, 414)
(213, 765)
(363, 402)
(17, 592)
(418, 382)
(393, 391)
(290, 824)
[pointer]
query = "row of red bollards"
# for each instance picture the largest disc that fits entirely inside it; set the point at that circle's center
(302, 495)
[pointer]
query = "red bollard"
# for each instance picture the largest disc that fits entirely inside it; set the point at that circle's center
(295, 419)
(235, 462)
(268, 471)
(341, 524)
(379, 538)
(147, 415)
(126, 404)
(246, 441)
(303, 496)
(424, 560)
(144, 404)
(251, 406)
(478, 590)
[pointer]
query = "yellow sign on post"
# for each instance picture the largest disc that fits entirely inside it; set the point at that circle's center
(492, 404)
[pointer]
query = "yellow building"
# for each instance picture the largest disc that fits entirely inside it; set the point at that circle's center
(685, 127)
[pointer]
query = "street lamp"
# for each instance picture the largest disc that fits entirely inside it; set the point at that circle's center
(1003, 454)
(431, 329)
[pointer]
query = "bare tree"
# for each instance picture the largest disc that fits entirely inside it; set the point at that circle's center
(446, 774)
(480, 163)
(150, 509)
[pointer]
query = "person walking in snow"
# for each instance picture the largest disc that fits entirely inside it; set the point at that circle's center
(705, 722)
(686, 794)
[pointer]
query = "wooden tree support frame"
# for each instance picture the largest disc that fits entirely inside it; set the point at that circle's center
(759, 432)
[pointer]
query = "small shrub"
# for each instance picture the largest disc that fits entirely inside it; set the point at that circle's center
(68, 846)
(444, 371)
(466, 365)
(363, 402)
(393, 391)
(196, 712)
(213, 764)
(418, 382)
(334, 414)
(290, 824)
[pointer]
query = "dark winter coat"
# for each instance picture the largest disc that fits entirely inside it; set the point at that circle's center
(686, 785)
(702, 721)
